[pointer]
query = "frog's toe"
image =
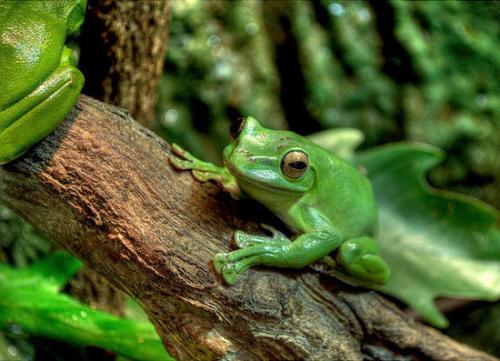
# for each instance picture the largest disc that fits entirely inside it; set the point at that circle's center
(376, 268)
(179, 151)
(179, 163)
(229, 273)
(241, 239)
(220, 260)
(202, 176)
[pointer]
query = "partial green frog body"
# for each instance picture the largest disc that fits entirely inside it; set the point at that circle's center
(38, 79)
(318, 195)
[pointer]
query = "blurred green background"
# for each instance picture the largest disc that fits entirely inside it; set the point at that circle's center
(425, 71)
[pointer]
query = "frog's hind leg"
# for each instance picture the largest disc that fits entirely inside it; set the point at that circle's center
(360, 258)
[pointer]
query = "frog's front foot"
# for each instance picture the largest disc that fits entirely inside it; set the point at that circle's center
(262, 250)
(220, 260)
(180, 158)
(226, 268)
(242, 239)
(204, 171)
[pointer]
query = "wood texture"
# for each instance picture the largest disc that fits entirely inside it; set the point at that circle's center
(101, 186)
(122, 53)
(123, 46)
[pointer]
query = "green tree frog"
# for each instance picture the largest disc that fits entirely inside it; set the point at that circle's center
(38, 79)
(322, 198)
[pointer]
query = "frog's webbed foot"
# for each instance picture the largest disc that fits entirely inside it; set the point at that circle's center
(360, 258)
(204, 171)
(231, 264)
(255, 250)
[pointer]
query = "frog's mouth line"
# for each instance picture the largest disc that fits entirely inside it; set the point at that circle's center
(235, 171)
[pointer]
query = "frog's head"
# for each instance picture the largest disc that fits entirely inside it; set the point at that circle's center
(266, 161)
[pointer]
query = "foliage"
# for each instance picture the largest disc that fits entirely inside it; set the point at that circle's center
(30, 300)
(397, 70)
(437, 243)
(213, 75)
(421, 70)
(456, 102)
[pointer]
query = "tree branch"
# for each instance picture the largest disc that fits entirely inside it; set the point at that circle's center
(123, 46)
(101, 186)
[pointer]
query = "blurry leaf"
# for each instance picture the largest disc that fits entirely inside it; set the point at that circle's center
(437, 243)
(340, 141)
(53, 271)
(15, 346)
(30, 299)
(134, 311)
(7, 351)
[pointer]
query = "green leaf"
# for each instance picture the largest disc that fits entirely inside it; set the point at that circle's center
(52, 271)
(437, 243)
(30, 298)
(341, 141)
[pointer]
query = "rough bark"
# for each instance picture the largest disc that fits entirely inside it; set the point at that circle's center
(123, 48)
(122, 53)
(101, 186)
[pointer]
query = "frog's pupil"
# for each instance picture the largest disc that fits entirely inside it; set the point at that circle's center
(298, 165)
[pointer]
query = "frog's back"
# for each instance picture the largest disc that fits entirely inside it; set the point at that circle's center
(347, 197)
(31, 41)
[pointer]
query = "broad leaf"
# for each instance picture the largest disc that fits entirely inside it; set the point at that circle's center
(30, 298)
(437, 243)
(341, 141)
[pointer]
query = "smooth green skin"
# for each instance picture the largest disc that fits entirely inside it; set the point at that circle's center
(331, 206)
(38, 79)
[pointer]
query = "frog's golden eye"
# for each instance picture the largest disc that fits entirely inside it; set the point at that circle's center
(236, 128)
(294, 164)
